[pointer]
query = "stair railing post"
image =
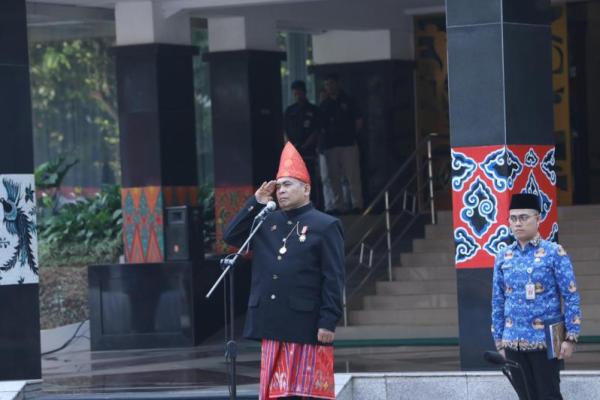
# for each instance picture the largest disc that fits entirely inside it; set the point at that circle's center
(430, 179)
(389, 235)
(345, 307)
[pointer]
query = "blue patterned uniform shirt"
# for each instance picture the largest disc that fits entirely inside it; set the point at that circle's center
(518, 323)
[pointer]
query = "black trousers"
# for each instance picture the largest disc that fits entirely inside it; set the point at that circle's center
(542, 375)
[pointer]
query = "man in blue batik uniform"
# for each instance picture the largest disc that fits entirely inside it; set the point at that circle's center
(530, 278)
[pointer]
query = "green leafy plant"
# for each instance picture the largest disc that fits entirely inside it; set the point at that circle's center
(87, 231)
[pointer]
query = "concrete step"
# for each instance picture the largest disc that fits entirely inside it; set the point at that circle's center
(564, 214)
(589, 287)
(433, 245)
(423, 273)
(409, 302)
(590, 327)
(575, 240)
(438, 232)
(431, 316)
(441, 244)
(584, 253)
(591, 312)
(444, 218)
(586, 268)
(403, 273)
(578, 212)
(429, 259)
(366, 332)
(591, 282)
(570, 228)
(591, 224)
(590, 296)
(447, 286)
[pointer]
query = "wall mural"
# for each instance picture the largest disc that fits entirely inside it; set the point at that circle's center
(18, 233)
(483, 179)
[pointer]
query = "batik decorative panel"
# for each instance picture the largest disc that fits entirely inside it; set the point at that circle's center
(483, 180)
(143, 228)
(180, 195)
(18, 232)
(228, 201)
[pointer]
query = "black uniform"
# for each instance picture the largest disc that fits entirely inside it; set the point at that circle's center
(301, 120)
(296, 293)
(339, 120)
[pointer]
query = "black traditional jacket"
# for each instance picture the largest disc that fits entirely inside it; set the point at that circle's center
(297, 291)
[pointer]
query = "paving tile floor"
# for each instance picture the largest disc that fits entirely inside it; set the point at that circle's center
(77, 370)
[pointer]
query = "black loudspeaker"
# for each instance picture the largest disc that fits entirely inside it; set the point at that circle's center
(184, 237)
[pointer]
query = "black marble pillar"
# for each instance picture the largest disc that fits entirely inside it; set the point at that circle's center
(501, 131)
(247, 125)
(19, 304)
(158, 141)
(384, 93)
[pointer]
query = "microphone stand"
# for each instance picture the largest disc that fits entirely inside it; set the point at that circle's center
(508, 374)
(228, 263)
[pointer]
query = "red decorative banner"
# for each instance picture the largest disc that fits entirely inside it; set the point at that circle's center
(483, 180)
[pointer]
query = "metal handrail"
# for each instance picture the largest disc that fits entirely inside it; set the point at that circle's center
(389, 222)
(403, 168)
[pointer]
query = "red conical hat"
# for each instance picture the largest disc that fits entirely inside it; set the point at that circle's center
(292, 165)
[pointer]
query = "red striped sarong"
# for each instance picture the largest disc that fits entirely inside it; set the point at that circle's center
(295, 369)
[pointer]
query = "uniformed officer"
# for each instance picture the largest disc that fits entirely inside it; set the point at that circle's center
(339, 146)
(297, 282)
(302, 123)
(531, 276)
(303, 127)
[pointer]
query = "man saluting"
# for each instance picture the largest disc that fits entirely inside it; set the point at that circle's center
(297, 282)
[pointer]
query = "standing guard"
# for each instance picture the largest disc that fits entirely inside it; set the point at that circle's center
(531, 276)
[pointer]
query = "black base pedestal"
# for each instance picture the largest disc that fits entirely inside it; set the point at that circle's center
(158, 305)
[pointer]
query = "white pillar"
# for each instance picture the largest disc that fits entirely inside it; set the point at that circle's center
(242, 33)
(143, 22)
(334, 47)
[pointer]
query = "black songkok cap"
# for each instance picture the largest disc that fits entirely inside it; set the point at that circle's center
(525, 200)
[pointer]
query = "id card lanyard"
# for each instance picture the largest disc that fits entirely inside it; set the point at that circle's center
(529, 287)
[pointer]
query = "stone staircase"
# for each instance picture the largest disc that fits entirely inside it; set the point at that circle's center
(421, 301)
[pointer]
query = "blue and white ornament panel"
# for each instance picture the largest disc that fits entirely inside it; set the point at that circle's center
(483, 179)
(18, 230)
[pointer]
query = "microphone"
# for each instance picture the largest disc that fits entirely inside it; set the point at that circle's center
(270, 207)
(494, 357)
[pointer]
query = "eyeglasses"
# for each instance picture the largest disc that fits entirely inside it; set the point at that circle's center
(522, 218)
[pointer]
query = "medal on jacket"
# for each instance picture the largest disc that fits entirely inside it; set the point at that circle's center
(283, 249)
(302, 237)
